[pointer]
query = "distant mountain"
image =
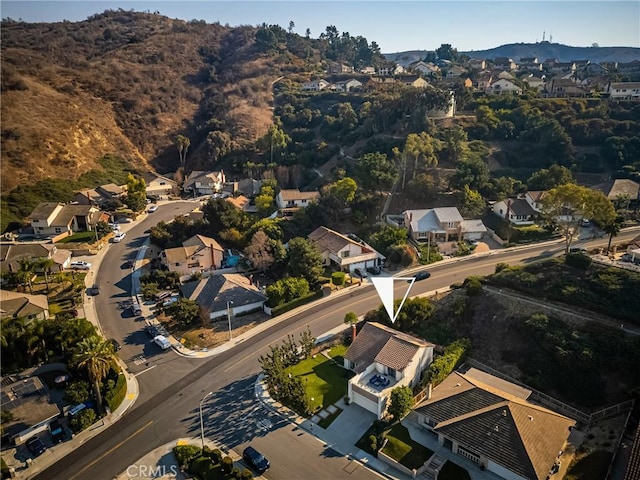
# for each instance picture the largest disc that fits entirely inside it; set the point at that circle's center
(542, 50)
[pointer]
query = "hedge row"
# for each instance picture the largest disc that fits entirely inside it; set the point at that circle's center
(116, 396)
(285, 307)
(454, 355)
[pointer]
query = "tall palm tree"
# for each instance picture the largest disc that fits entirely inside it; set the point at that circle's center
(26, 272)
(613, 229)
(45, 264)
(96, 355)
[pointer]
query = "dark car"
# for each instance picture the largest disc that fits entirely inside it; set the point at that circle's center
(127, 264)
(360, 273)
(374, 270)
(152, 330)
(58, 434)
(35, 446)
(115, 343)
(255, 460)
(95, 290)
(577, 250)
(421, 276)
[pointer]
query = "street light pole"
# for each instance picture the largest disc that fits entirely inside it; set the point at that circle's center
(229, 316)
(201, 422)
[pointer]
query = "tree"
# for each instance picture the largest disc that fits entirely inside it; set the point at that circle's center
(344, 190)
(613, 229)
(183, 144)
(184, 311)
(387, 237)
(422, 147)
(473, 205)
(455, 143)
(567, 205)
(25, 272)
(376, 172)
(45, 264)
(304, 260)
(546, 179)
(95, 355)
(260, 251)
(136, 193)
(347, 116)
(274, 141)
(307, 33)
(446, 52)
(292, 25)
(351, 318)
(218, 145)
(401, 402)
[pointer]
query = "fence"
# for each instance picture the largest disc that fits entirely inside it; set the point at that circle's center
(547, 400)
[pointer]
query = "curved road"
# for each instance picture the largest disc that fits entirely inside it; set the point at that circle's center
(172, 386)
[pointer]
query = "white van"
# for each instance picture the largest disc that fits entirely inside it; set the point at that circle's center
(162, 342)
(136, 308)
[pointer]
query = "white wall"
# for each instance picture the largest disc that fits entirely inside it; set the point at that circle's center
(503, 472)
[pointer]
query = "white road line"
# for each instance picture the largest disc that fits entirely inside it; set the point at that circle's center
(145, 370)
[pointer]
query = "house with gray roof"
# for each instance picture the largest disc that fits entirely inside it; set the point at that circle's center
(443, 224)
(217, 292)
(623, 192)
(12, 253)
(23, 305)
(383, 359)
(58, 219)
(204, 183)
(293, 199)
(345, 252)
(489, 421)
(197, 254)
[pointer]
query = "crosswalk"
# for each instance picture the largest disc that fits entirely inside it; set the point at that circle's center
(139, 360)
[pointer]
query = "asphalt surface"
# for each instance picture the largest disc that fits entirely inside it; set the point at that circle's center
(172, 386)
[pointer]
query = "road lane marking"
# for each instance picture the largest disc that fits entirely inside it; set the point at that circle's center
(145, 370)
(110, 451)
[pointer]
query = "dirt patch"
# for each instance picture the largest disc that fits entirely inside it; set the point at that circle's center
(603, 434)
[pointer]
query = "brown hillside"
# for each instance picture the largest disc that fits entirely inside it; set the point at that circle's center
(125, 83)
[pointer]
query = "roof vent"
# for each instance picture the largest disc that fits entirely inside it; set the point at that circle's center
(495, 428)
(457, 384)
(530, 418)
(504, 413)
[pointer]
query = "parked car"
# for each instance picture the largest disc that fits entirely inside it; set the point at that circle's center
(374, 270)
(421, 276)
(586, 222)
(626, 257)
(95, 290)
(127, 264)
(169, 301)
(360, 273)
(577, 250)
(81, 265)
(35, 446)
(125, 220)
(162, 342)
(152, 208)
(58, 435)
(115, 343)
(114, 227)
(152, 330)
(119, 237)
(255, 460)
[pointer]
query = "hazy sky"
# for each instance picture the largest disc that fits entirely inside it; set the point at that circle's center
(394, 25)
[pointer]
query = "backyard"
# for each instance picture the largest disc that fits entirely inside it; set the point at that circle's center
(325, 380)
(403, 449)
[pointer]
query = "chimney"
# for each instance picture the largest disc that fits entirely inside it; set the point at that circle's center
(429, 390)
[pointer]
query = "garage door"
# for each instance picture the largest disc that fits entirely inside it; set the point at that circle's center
(473, 236)
(365, 403)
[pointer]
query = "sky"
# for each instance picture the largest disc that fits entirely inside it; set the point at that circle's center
(395, 25)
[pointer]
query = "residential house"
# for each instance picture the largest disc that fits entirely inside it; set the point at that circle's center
(490, 421)
(595, 69)
(525, 209)
(60, 220)
(504, 63)
(624, 90)
(425, 68)
(346, 85)
(549, 62)
(629, 68)
(100, 195)
(315, 85)
(633, 249)
(196, 255)
(503, 75)
(159, 185)
(11, 254)
(562, 67)
(447, 111)
(335, 68)
(30, 408)
(451, 82)
(242, 203)
(455, 71)
(623, 192)
(566, 88)
(346, 252)
(376, 83)
(204, 183)
(368, 71)
(390, 71)
(535, 82)
(529, 66)
(483, 81)
(504, 87)
(23, 305)
(384, 359)
(413, 81)
(580, 64)
(533, 60)
(290, 200)
(247, 186)
(443, 224)
(224, 296)
(477, 64)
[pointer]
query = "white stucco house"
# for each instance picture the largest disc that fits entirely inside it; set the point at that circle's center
(443, 224)
(197, 254)
(315, 85)
(504, 87)
(525, 209)
(204, 183)
(288, 200)
(383, 359)
(345, 252)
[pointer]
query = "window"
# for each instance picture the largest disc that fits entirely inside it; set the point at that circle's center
(344, 254)
(163, 183)
(193, 265)
(58, 230)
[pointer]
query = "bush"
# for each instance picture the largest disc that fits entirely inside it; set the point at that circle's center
(83, 420)
(337, 278)
(216, 456)
(500, 266)
(227, 465)
(373, 442)
(236, 473)
(115, 396)
(77, 392)
(246, 474)
(474, 286)
(280, 309)
(185, 454)
(578, 260)
(454, 355)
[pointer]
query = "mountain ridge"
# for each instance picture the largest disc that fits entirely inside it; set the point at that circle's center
(541, 50)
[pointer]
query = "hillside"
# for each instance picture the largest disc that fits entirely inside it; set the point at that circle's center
(125, 83)
(542, 50)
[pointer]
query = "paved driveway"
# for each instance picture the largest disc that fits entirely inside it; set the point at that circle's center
(350, 424)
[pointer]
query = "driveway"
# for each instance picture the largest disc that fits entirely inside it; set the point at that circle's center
(350, 424)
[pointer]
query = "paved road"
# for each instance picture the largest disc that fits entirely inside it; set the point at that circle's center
(168, 408)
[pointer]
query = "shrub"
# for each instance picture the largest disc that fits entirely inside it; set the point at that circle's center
(474, 286)
(578, 260)
(83, 420)
(216, 456)
(500, 266)
(185, 454)
(337, 278)
(246, 474)
(454, 355)
(280, 309)
(236, 473)
(77, 392)
(227, 465)
(373, 442)
(115, 396)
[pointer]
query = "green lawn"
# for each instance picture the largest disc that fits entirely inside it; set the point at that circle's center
(325, 381)
(403, 449)
(325, 422)
(337, 353)
(451, 471)
(88, 237)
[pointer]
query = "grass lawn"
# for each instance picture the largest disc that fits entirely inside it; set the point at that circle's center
(337, 353)
(403, 449)
(451, 471)
(326, 382)
(325, 422)
(590, 467)
(88, 237)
